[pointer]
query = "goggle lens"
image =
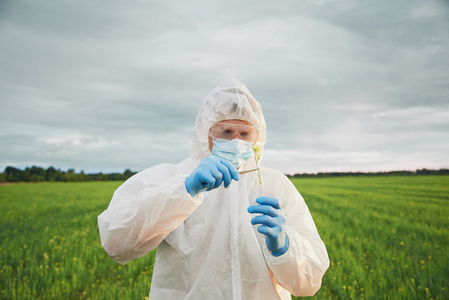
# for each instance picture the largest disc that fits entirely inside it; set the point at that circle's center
(230, 131)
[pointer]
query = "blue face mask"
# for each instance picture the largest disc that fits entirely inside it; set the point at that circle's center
(236, 151)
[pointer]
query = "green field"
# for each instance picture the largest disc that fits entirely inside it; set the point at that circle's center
(387, 238)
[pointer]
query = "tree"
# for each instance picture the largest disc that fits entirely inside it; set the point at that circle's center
(128, 173)
(37, 173)
(50, 174)
(13, 174)
(26, 175)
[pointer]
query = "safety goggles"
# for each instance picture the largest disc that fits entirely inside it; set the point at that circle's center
(230, 130)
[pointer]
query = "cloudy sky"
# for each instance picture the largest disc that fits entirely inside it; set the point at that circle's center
(109, 85)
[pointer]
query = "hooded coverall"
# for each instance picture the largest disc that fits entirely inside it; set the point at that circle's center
(206, 245)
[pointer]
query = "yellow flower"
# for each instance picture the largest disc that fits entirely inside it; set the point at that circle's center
(257, 156)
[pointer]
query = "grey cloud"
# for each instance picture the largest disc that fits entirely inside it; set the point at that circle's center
(111, 85)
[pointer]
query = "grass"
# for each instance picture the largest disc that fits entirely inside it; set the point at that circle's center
(50, 246)
(387, 238)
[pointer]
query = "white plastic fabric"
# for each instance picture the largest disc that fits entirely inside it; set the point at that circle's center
(207, 247)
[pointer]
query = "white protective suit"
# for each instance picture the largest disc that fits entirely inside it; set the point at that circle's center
(207, 247)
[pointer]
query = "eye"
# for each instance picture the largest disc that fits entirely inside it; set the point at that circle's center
(227, 133)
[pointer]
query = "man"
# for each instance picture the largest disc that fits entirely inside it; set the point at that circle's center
(224, 228)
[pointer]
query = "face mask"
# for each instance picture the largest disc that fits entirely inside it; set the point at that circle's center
(236, 151)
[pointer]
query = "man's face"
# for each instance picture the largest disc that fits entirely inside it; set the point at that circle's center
(232, 129)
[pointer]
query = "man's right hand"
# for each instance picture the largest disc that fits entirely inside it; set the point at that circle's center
(210, 174)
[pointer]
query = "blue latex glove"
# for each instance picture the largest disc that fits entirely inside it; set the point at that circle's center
(272, 223)
(210, 174)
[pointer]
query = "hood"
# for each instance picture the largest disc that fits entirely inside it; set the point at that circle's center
(230, 100)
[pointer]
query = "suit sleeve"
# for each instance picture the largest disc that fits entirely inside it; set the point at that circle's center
(143, 211)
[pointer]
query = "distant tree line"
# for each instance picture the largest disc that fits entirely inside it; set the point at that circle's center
(390, 173)
(37, 174)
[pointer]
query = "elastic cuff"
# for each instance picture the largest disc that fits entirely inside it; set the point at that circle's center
(282, 250)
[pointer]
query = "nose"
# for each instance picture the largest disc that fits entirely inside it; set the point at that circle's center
(238, 135)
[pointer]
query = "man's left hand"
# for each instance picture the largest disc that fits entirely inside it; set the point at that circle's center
(272, 220)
